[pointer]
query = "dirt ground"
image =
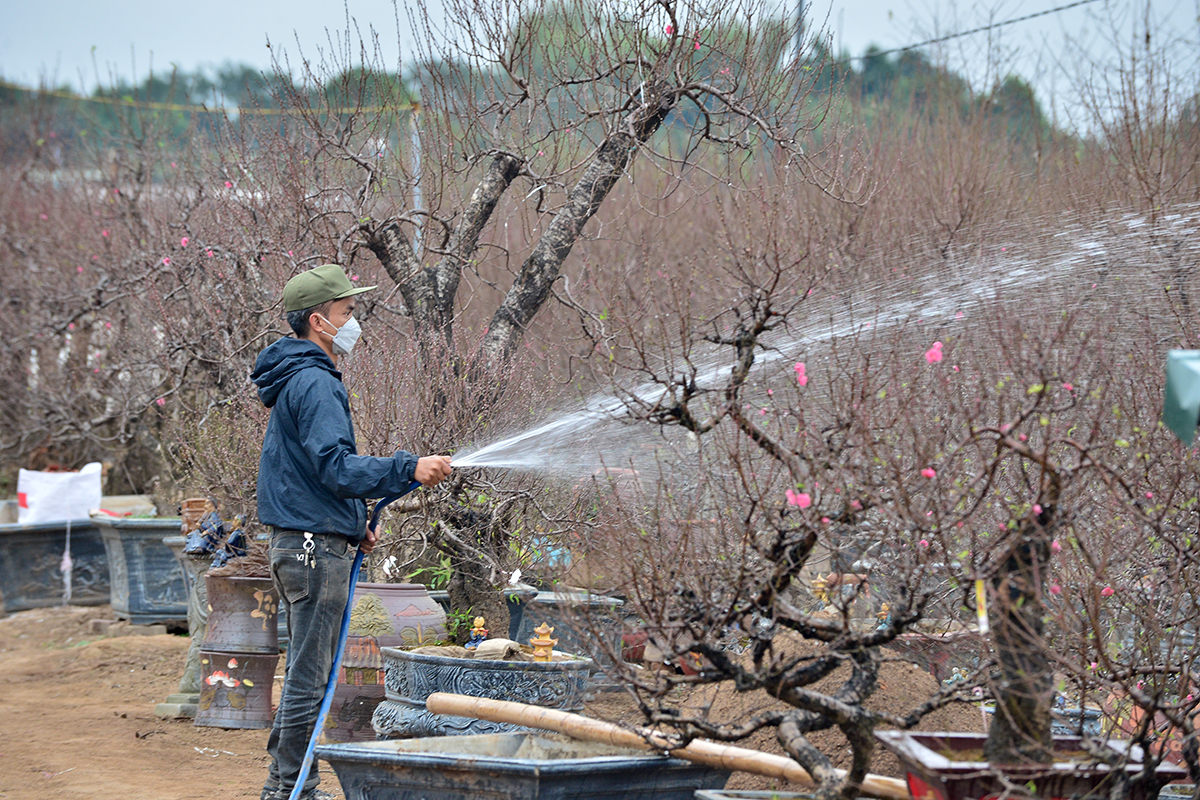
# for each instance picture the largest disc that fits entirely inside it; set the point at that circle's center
(77, 718)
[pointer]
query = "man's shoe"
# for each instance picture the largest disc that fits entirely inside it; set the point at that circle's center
(312, 794)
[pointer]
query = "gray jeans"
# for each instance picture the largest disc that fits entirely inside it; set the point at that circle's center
(316, 591)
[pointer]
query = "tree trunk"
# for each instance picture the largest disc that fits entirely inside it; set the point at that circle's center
(1020, 731)
(531, 288)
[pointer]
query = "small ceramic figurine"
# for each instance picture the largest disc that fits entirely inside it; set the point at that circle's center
(478, 634)
(884, 616)
(543, 645)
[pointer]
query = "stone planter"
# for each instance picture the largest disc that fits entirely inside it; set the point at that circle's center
(515, 766)
(734, 794)
(411, 677)
(147, 583)
(185, 701)
(236, 689)
(934, 772)
(31, 557)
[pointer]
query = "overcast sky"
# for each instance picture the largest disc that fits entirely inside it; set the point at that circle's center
(68, 41)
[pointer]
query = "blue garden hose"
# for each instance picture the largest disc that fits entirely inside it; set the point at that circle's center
(331, 685)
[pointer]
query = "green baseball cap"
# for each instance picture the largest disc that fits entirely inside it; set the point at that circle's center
(319, 285)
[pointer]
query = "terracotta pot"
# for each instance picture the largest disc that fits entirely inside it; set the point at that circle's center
(397, 615)
(359, 690)
(236, 689)
(242, 615)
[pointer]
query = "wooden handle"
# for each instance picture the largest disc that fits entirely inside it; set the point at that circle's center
(593, 730)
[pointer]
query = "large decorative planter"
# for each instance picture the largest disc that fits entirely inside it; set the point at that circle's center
(515, 766)
(399, 614)
(411, 677)
(31, 557)
(574, 615)
(733, 794)
(235, 689)
(946, 766)
(146, 581)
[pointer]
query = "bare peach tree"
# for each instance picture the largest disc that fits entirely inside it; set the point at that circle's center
(920, 432)
(461, 180)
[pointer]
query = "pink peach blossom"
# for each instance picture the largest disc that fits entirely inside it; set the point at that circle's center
(183, 242)
(934, 354)
(166, 261)
(669, 29)
(801, 376)
(1068, 387)
(1107, 591)
(824, 520)
(161, 401)
(228, 184)
(1149, 495)
(104, 233)
(1055, 547)
(857, 506)
(1055, 589)
(929, 472)
(208, 253)
(798, 499)
(924, 543)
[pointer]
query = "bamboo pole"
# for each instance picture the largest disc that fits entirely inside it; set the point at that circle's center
(593, 730)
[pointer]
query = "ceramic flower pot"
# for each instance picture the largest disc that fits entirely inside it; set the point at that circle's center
(514, 766)
(359, 690)
(397, 614)
(146, 581)
(949, 766)
(242, 615)
(31, 557)
(236, 689)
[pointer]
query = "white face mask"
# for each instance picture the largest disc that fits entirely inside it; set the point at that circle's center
(346, 336)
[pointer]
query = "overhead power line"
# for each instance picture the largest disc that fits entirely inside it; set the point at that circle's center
(973, 31)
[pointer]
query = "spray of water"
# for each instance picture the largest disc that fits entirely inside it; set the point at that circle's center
(1058, 270)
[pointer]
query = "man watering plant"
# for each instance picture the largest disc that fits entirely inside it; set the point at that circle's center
(311, 485)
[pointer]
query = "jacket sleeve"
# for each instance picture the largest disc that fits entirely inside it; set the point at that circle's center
(327, 436)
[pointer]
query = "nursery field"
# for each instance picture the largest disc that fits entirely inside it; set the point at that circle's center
(77, 717)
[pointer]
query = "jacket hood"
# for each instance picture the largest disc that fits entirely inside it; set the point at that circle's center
(278, 363)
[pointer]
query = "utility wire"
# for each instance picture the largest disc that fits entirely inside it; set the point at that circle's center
(994, 25)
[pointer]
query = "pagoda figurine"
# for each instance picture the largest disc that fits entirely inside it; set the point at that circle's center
(478, 634)
(543, 645)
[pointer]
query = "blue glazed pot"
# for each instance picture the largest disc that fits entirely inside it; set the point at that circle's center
(147, 583)
(30, 558)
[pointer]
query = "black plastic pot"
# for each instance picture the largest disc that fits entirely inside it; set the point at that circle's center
(515, 766)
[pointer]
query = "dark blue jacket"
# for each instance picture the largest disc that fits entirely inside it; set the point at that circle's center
(310, 477)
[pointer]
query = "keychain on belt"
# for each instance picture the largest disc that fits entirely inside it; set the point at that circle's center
(309, 556)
